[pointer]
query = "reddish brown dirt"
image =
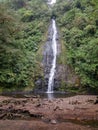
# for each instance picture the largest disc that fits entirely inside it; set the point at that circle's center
(72, 113)
(38, 125)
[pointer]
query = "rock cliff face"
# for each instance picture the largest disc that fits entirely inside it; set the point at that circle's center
(48, 55)
(63, 76)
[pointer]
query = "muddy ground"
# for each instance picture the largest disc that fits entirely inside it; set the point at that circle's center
(34, 113)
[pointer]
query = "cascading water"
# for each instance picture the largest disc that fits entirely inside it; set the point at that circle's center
(51, 2)
(53, 68)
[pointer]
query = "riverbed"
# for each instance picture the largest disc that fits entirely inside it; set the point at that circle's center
(34, 113)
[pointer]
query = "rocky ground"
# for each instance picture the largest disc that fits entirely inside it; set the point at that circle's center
(33, 113)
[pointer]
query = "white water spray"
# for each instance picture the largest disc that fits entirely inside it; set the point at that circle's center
(51, 2)
(53, 68)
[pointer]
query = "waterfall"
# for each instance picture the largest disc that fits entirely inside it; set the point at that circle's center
(51, 2)
(54, 49)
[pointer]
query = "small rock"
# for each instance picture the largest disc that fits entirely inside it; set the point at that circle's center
(96, 102)
(74, 102)
(60, 108)
(38, 105)
(1, 105)
(90, 101)
(53, 122)
(57, 107)
(50, 101)
(47, 120)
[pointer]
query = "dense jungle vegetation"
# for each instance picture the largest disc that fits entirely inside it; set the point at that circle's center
(78, 23)
(23, 24)
(23, 28)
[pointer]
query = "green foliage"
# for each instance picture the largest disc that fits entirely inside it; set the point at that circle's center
(79, 31)
(21, 34)
(17, 4)
(23, 25)
(90, 29)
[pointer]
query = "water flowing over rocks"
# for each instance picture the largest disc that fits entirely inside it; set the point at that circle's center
(48, 55)
(62, 74)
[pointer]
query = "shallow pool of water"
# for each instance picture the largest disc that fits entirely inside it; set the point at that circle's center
(19, 94)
